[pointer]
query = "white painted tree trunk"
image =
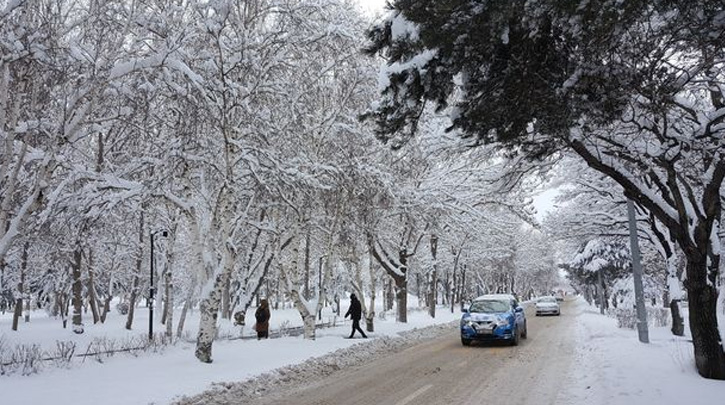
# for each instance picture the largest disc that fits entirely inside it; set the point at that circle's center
(209, 309)
(307, 312)
(168, 276)
(208, 312)
(211, 304)
(370, 313)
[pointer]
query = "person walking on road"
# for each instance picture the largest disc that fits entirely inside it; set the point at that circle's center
(355, 313)
(261, 316)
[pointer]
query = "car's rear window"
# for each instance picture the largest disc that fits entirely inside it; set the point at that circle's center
(490, 306)
(547, 299)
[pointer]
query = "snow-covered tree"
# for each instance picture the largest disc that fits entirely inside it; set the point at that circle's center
(635, 89)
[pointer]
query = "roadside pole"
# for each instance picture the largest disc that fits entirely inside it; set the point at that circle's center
(637, 275)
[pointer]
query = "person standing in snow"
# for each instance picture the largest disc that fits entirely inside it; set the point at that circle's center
(355, 313)
(262, 316)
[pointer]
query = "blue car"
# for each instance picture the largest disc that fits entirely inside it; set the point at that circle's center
(493, 317)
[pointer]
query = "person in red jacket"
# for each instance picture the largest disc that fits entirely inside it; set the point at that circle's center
(355, 312)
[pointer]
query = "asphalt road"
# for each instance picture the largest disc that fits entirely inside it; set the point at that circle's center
(443, 371)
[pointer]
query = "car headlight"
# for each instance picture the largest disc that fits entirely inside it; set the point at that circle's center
(466, 322)
(503, 321)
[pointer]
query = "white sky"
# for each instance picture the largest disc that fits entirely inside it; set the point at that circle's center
(373, 6)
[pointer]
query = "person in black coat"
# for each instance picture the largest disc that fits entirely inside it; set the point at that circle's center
(262, 315)
(355, 312)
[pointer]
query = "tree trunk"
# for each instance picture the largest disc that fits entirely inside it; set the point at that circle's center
(168, 304)
(208, 312)
(453, 287)
(136, 279)
(462, 293)
(168, 314)
(398, 272)
(18, 312)
(422, 296)
(302, 305)
(702, 299)
(60, 303)
(210, 306)
(306, 290)
(309, 326)
(226, 310)
(600, 292)
(678, 322)
(182, 316)
(91, 286)
(370, 314)
(308, 317)
(433, 285)
(77, 288)
(389, 295)
(106, 307)
(401, 299)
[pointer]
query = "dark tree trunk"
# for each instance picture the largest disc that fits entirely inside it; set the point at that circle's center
(398, 272)
(91, 286)
(678, 323)
(401, 299)
(702, 299)
(306, 291)
(61, 304)
(136, 275)
(106, 307)
(18, 312)
(388, 296)
(433, 286)
(77, 288)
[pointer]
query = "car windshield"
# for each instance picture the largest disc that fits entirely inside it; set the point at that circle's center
(547, 299)
(490, 306)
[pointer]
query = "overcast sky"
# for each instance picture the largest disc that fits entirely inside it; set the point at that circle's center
(373, 5)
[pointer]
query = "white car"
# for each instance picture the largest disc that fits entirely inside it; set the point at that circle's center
(547, 306)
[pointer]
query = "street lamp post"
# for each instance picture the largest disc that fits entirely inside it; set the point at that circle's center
(164, 233)
(642, 330)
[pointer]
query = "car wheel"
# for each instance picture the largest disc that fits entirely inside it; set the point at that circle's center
(515, 340)
(466, 342)
(538, 314)
(525, 333)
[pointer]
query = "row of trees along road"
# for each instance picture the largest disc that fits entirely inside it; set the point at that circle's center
(635, 89)
(591, 223)
(233, 126)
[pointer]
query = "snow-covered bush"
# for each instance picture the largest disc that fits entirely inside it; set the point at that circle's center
(627, 317)
(27, 359)
(284, 328)
(64, 351)
(122, 308)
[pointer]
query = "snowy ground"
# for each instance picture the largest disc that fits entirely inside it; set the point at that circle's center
(610, 365)
(163, 377)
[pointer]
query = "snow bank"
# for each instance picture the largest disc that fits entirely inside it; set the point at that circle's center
(611, 366)
(289, 377)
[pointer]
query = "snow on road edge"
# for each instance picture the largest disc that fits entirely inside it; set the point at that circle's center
(293, 376)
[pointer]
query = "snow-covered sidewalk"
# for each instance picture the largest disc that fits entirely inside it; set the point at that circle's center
(161, 378)
(612, 367)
